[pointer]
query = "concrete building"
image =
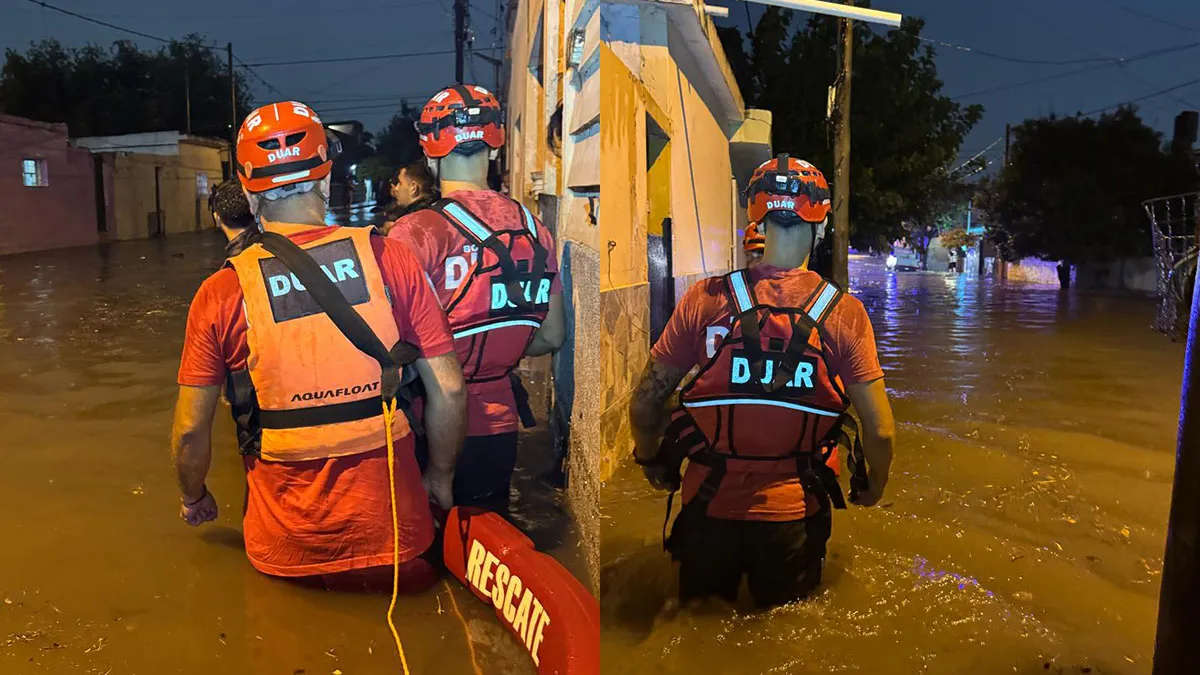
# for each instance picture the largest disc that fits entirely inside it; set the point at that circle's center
(554, 88)
(651, 124)
(154, 184)
(677, 146)
(47, 188)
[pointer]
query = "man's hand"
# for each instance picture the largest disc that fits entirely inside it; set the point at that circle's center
(440, 486)
(200, 511)
(874, 492)
(659, 476)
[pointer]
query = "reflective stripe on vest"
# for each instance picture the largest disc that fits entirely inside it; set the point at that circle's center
(460, 216)
(741, 291)
(494, 326)
(317, 393)
(710, 403)
(744, 302)
(530, 223)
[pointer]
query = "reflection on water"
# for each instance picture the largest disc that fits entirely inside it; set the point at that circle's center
(100, 576)
(1025, 519)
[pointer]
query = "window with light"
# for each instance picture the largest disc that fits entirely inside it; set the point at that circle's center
(33, 172)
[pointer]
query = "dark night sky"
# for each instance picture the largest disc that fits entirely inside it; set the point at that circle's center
(1051, 30)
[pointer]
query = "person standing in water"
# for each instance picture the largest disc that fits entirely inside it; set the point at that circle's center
(307, 403)
(783, 354)
(495, 270)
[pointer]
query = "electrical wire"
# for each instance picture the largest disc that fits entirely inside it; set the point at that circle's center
(347, 59)
(1120, 62)
(1143, 98)
(1065, 36)
(1149, 17)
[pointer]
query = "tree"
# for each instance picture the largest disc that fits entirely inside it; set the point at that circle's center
(1074, 188)
(906, 133)
(122, 89)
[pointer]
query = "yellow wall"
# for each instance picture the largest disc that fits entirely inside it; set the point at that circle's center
(183, 210)
(622, 175)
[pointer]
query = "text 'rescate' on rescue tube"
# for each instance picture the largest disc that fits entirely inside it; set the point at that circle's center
(548, 610)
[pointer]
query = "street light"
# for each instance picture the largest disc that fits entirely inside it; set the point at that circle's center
(837, 9)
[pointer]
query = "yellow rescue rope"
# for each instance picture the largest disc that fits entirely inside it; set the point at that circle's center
(389, 414)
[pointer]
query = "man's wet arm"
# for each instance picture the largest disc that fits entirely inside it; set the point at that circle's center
(647, 409)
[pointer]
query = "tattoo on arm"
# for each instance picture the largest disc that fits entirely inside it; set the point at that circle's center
(647, 409)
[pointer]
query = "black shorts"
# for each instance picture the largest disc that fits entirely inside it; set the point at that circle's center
(782, 561)
(484, 471)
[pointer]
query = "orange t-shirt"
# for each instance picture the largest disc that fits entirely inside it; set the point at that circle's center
(491, 406)
(684, 344)
(327, 515)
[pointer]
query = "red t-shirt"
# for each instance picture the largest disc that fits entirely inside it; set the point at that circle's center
(687, 342)
(327, 515)
(491, 406)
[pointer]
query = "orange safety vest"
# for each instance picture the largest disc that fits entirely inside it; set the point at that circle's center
(317, 394)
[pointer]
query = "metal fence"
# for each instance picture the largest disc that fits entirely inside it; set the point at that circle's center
(1174, 222)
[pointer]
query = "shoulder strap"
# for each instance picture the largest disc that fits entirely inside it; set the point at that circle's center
(741, 291)
(744, 302)
(816, 310)
(338, 309)
(821, 303)
(484, 237)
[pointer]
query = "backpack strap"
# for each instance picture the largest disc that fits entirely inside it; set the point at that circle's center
(484, 237)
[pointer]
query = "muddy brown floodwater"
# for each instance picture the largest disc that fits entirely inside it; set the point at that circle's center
(98, 574)
(1025, 518)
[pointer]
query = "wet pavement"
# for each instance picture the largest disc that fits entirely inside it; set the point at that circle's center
(99, 575)
(1025, 519)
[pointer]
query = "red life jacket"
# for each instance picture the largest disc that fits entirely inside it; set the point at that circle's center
(765, 402)
(505, 296)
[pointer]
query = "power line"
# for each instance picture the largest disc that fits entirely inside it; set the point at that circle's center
(346, 59)
(1160, 92)
(98, 21)
(1067, 37)
(1076, 71)
(1015, 59)
(1149, 17)
(249, 69)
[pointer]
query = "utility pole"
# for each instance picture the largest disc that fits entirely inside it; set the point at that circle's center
(187, 93)
(1007, 136)
(460, 37)
(1175, 650)
(841, 159)
(233, 127)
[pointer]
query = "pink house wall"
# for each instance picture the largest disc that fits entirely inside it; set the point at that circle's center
(39, 218)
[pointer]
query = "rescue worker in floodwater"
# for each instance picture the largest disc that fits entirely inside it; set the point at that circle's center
(783, 353)
(494, 268)
(231, 213)
(307, 403)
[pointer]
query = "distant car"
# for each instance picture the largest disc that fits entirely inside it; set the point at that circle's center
(904, 260)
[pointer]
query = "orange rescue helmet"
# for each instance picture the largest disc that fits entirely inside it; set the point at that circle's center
(462, 113)
(754, 241)
(787, 184)
(283, 144)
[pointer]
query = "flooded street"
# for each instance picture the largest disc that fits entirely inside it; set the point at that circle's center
(100, 576)
(1025, 519)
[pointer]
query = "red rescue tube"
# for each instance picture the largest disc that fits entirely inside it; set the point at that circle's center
(551, 614)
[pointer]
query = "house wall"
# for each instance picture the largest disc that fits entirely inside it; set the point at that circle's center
(59, 215)
(565, 192)
(649, 83)
(134, 197)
